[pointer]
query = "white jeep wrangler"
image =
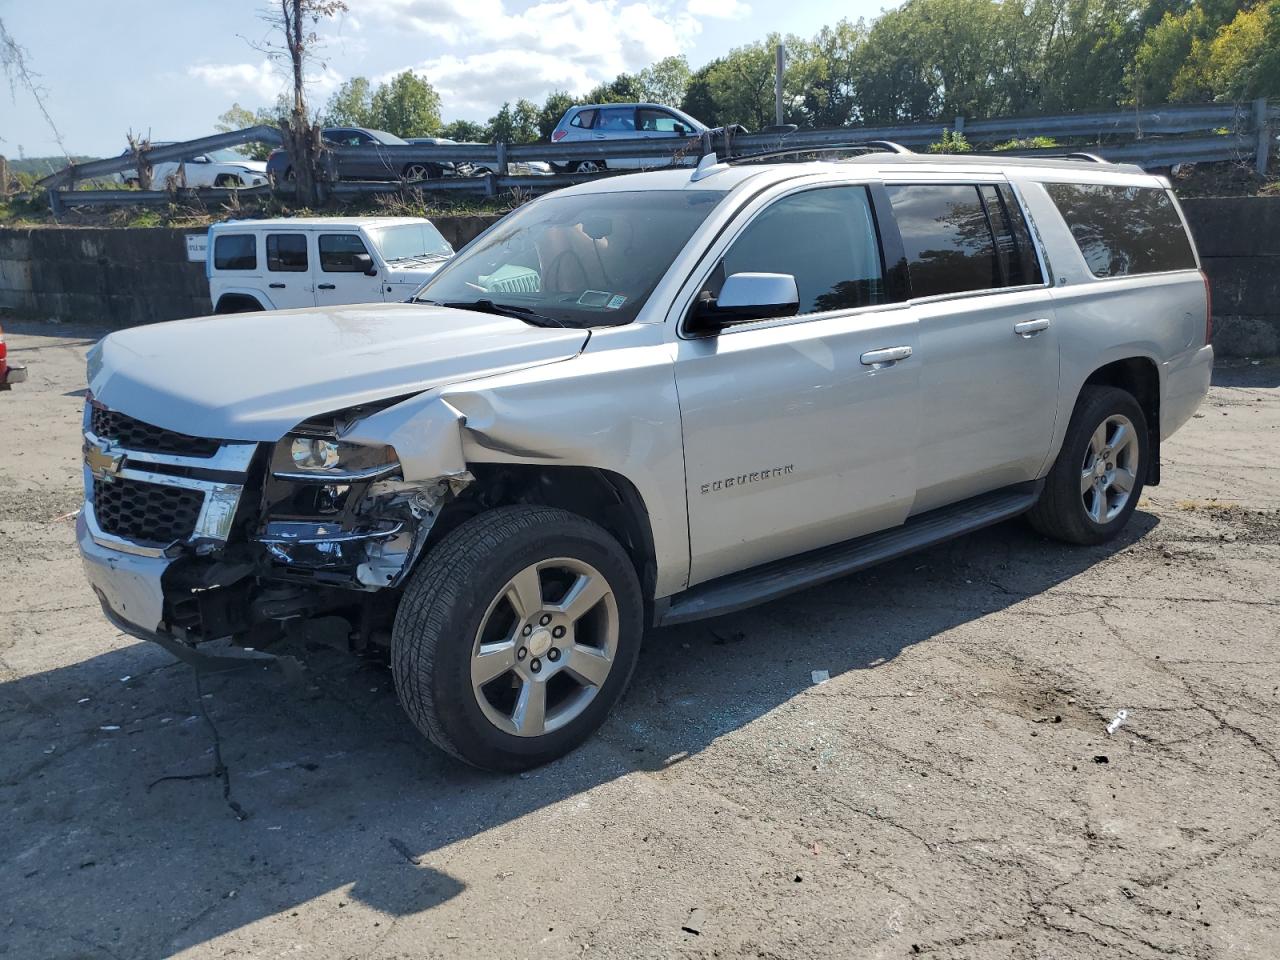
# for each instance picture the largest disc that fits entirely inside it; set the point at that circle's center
(638, 402)
(320, 261)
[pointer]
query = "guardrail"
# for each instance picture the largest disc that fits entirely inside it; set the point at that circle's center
(1150, 137)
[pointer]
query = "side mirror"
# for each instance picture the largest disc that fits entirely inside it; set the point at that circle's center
(364, 263)
(745, 297)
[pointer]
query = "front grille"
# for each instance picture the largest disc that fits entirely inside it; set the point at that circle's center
(135, 435)
(136, 510)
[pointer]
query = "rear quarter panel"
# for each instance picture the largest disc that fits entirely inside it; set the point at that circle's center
(1159, 317)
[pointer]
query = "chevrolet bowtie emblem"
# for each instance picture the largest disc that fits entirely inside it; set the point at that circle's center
(103, 465)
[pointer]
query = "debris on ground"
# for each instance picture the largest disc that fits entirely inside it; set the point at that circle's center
(1118, 721)
(821, 676)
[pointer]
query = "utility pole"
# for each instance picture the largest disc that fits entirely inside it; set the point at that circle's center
(780, 66)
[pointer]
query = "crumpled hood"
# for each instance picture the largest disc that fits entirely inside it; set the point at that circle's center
(254, 376)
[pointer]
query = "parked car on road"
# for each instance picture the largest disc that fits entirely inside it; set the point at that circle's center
(643, 401)
(214, 168)
(10, 373)
(382, 166)
(319, 261)
(602, 122)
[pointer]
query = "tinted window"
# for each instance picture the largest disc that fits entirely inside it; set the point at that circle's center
(1015, 254)
(287, 252)
(1123, 230)
(582, 118)
(617, 119)
(946, 238)
(826, 239)
(236, 251)
(338, 252)
(659, 121)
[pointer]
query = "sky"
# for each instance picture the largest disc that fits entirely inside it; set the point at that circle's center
(170, 68)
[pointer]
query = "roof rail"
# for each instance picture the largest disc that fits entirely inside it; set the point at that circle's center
(864, 146)
(1078, 155)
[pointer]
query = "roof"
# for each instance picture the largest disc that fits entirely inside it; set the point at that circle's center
(885, 165)
(315, 222)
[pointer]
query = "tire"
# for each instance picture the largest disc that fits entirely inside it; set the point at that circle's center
(417, 172)
(237, 303)
(1084, 500)
(588, 166)
(464, 593)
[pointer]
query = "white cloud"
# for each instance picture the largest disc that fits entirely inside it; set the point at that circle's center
(261, 82)
(553, 45)
(450, 20)
(238, 79)
(719, 9)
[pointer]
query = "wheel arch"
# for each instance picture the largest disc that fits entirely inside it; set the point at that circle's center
(602, 496)
(1138, 376)
(235, 301)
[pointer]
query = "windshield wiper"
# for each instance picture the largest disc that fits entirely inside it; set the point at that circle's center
(504, 310)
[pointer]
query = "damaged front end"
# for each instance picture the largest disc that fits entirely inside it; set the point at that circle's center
(319, 527)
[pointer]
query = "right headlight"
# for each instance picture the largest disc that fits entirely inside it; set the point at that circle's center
(325, 460)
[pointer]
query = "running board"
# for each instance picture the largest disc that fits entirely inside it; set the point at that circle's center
(737, 591)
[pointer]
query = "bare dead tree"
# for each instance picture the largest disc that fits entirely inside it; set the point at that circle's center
(13, 59)
(139, 145)
(296, 21)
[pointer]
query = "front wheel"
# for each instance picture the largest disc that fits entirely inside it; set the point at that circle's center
(1094, 485)
(516, 635)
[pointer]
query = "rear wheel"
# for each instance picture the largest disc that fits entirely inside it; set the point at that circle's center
(516, 635)
(1097, 479)
(588, 166)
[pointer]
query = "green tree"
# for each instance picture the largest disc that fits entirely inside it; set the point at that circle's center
(553, 108)
(624, 88)
(351, 104)
(407, 106)
(1244, 56)
(465, 131)
(665, 81)
(518, 124)
(237, 117)
(698, 101)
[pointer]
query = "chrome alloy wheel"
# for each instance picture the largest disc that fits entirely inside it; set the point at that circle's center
(1110, 469)
(545, 647)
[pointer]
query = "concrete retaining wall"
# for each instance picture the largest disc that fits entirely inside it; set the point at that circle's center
(123, 277)
(1239, 243)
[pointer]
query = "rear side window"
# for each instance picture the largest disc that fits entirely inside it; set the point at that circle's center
(826, 239)
(583, 118)
(287, 252)
(1124, 230)
(338, 252)
(236, 251)
(946, 237)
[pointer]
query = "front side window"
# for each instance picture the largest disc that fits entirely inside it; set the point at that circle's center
(581, 260)
(658, 121)
(235, 251)
(826, 239)
(1124, 230)
(946, 237)
(338, 252)
(287, 252)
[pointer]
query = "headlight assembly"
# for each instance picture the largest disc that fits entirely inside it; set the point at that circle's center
(325, 460)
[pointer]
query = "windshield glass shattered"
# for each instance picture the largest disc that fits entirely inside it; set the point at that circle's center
(411, 241)
(582, 261)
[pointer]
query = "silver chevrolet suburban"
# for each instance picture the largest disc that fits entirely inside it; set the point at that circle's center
(638, 402)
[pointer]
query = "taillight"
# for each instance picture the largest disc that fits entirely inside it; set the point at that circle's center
(1208, 308)
(4, 353)
(558, 135)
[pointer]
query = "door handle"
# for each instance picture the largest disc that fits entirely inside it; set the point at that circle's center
(326, 286)
(876, 358)
(1029, 328)
(276, 286)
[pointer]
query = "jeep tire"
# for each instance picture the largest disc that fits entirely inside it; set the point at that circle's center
(1097, 479)
(515, 636)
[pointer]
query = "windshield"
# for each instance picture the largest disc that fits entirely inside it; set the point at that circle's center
(226, 156)
(585, 260)
(411, 241)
